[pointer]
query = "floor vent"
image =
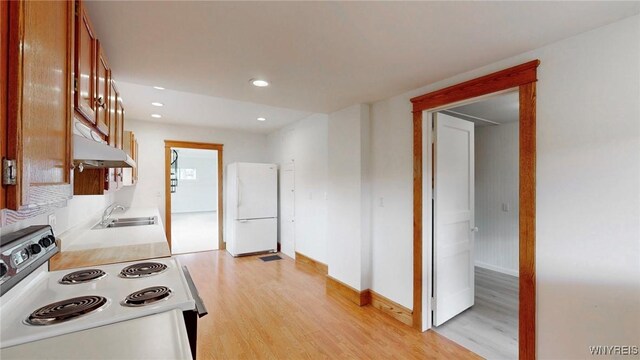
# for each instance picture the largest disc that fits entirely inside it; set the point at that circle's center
(270, 258)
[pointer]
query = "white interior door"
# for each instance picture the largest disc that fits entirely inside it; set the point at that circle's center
(454, 224)
(287, 210)
(257, 191)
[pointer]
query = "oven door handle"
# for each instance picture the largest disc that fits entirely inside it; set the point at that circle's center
(200, 308)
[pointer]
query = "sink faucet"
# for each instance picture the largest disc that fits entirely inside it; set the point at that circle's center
(107, 212)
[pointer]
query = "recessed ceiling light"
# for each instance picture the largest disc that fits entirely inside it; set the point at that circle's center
(157, 116)
(261, 119)
(157, 104)
(259, 82)
(158, 87)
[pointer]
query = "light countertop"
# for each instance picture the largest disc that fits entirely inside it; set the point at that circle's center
(159, 336)
(84, 237)
(83, 246)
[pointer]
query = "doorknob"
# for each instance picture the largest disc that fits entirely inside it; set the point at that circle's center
(474, 229)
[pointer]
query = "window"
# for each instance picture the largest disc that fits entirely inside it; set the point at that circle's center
(187, 174)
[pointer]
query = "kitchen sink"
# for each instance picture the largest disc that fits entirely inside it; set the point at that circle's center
(125, 222)
(135, 219)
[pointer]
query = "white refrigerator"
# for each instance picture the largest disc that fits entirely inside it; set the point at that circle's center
(251, 208)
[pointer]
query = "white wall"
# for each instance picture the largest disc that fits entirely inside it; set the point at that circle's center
(392, 194)
(349, 197)
(305, 142)
(149, 191)
(496, 183)
(588, 190)
(200, 194)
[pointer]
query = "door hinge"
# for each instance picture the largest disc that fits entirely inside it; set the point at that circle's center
(75, 84)
(433, 304)
(9, 172)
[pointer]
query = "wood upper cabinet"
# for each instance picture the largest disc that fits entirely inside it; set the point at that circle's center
(106, 114)
(130, 175)
(40, 103)
(4, 50)
(119, 124)
(85, 65)
(119, 136)
(114, 135)
(103, 87)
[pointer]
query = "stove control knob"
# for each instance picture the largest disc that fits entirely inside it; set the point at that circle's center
(45, 242)
(52, 239)
(34, 249)
(3, 269)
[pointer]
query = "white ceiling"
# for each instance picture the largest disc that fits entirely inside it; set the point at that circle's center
(319, 56)
(500, 109)
(201, 110)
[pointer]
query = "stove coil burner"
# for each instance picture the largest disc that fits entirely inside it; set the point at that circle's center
(142, 269)
(147, 296)
(82, 276)
(65, 310)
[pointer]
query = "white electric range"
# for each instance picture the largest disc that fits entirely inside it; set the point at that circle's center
(39, 304)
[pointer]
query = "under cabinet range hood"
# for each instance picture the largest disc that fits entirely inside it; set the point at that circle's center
(93, 154)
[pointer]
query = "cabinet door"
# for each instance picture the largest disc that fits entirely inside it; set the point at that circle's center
(4, 47)
(119, 124)
(112, 111)
(85, 66)
(102, 91)
(40, 102)
(112, 177)
(135, 170)
(119, 136)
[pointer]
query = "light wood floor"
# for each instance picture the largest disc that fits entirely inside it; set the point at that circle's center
(490, 327)
(279, 310)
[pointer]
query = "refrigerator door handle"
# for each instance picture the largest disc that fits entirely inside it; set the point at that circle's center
(239, 194)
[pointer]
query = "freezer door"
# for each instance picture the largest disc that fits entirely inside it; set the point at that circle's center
(257, 191)
(254, 236)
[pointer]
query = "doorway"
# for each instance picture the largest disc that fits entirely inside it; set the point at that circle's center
(523, 78)
(193, 196)
(475, 228)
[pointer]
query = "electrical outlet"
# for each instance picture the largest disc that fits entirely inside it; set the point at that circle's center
(505, 207)
(52, 219)
(381, 202)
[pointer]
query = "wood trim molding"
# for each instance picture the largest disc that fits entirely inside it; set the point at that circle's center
(337, 287)
(527, 212)
(417, 220)
(502, 80)
(524, 78)
(168, 144)
(392, 308)
(315, 264)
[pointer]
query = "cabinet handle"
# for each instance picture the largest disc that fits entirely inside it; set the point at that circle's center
(100, 102)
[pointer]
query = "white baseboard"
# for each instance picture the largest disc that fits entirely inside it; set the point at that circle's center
(499, 269)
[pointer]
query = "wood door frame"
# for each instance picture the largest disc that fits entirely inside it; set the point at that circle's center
(168, 144)
(522, 77)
